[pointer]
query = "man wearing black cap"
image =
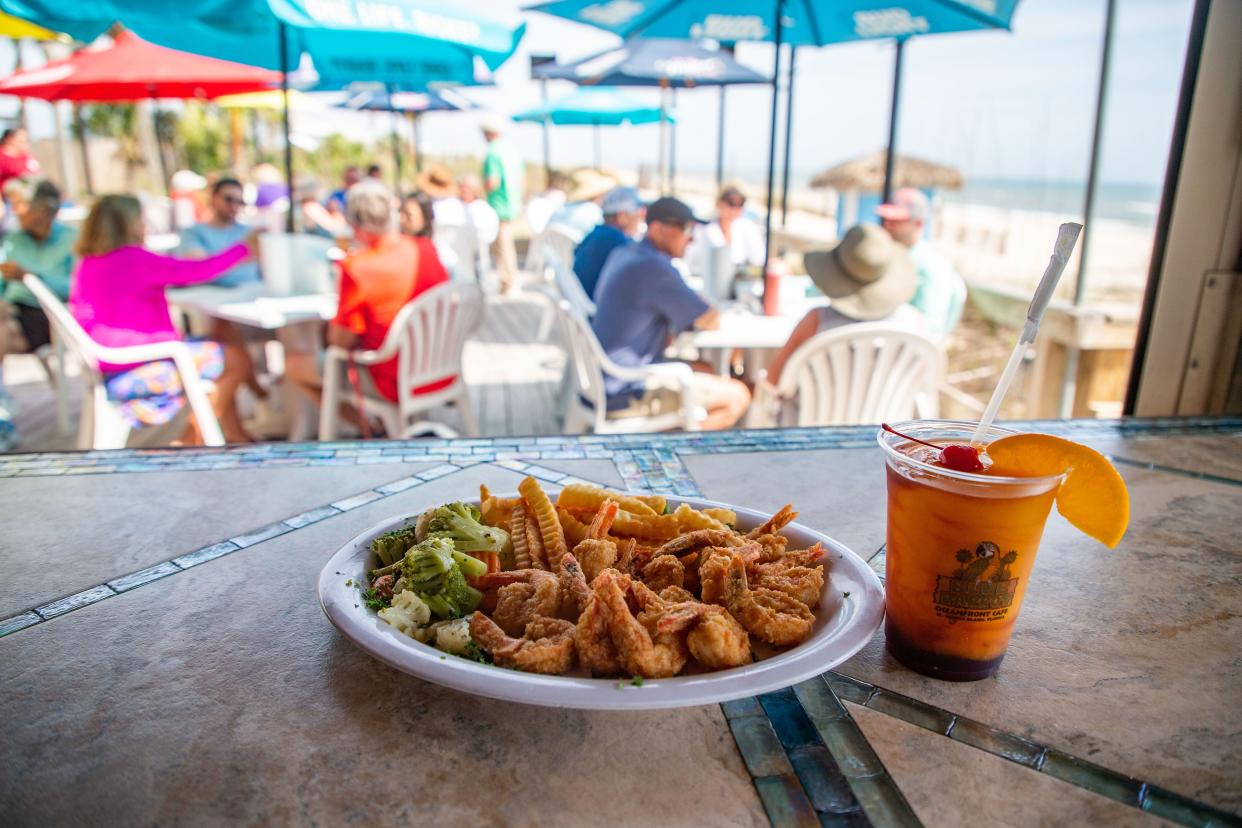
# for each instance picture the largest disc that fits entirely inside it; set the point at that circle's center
(642, 302)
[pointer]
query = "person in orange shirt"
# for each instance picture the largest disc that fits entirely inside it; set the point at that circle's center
(381, 274)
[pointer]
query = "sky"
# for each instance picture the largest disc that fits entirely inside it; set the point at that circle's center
(998, 105)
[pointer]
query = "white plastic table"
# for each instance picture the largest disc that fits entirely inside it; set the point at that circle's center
(756, 335)
(252, 305)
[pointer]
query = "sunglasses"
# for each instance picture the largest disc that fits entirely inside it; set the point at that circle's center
(236, 201)
(735, 202)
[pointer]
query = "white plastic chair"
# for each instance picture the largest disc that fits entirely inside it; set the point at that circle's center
(562, 239)
(588, 407)
(101, 425)
(864, 373)
(427, 337)
(458, 246)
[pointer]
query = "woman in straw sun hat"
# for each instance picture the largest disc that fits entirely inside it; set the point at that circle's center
(868, 277)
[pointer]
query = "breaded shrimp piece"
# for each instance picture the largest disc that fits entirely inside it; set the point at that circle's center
(596, 556)
(699, 538)
(717, 640)
(802, 583)
(519, 602)
(640, 650)
(664, 571)
(547, 646)
(575, 593)
(774, 523)
(596, 652)
(772, 616)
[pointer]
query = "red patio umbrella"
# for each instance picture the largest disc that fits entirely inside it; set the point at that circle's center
(131, 69)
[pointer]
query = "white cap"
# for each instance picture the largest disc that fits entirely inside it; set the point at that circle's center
(187, 181)
(493, 122)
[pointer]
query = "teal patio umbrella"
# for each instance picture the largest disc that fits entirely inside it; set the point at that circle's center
(595, 106)
(406, 45)
(792, 22)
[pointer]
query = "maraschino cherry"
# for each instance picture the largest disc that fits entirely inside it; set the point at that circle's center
(955, 456)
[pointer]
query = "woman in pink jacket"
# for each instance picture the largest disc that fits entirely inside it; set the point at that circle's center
(118, 297)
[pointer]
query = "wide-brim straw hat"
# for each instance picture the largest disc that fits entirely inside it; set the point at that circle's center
(437, 181)
(867, 276)
(588, 185)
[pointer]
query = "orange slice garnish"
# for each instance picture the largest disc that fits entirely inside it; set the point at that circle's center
(1092, 497)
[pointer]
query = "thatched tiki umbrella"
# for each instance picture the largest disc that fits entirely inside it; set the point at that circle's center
(860, 181)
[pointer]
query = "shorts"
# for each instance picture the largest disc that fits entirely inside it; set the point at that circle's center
(653, 402)
(151, 393)
(34, 324)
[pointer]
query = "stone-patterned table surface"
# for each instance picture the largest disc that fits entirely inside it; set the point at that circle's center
(164, 659)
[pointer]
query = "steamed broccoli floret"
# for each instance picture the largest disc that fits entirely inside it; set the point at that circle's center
(390, 546)
(463, 525)
(436, 573)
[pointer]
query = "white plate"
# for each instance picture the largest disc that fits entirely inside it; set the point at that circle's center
(852, 588)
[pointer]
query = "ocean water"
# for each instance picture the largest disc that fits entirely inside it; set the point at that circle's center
(1133, 203)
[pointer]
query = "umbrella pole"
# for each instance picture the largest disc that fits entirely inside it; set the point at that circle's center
(890, 158)
(776, 67)
(597, 152)
(396, 141)
(720, 136)
(793, 53)
(80, 128)
(1069, 384)
(672, 144)
(284, 94)
(663, 115)
(412, 117)
(547, 140)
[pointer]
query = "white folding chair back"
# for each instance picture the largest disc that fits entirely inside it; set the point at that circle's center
(428, 337)
(588, 404)
(864, 373)
(562, 239)
(101, 425)
(567, 284)
(458, 246)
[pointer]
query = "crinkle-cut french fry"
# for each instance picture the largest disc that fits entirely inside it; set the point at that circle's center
(575, 530)
(585, 496)
(534, 542)
(496, 511)
(726, 516)
(650, 527)
(538, 504)
(517, 534)
(688, 520)
(658, 503)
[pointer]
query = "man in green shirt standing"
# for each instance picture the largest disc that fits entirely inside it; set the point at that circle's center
(42, 246)
(503, 180)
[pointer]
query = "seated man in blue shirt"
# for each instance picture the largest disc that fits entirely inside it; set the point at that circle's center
(222, 232)
(643, 302)
(623, 213)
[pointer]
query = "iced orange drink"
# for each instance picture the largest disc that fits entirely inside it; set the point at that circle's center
(961, 543)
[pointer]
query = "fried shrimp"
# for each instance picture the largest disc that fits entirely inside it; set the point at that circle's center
(523, 595)
(596, 556)
(640, 649)
(664, 571)
(717, 640)
(604, 518)
(699, 538)
(575, 593)
(802, 583)
(772, 616)
(775, 523)
(596, 652)
(676, 595)
(546, 646)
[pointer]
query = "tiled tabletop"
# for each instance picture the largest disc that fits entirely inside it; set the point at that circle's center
(164, 659)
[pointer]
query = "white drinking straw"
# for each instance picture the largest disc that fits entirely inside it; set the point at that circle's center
(1067, 237)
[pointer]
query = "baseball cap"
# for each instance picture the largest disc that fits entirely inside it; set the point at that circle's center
(493, 122)
(906, 204)
(621, 200)
(671, 211)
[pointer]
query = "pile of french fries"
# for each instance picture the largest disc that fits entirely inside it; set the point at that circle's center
(543, 531)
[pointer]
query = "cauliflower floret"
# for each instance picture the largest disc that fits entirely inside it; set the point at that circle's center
(408, 614)
(453, 636)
